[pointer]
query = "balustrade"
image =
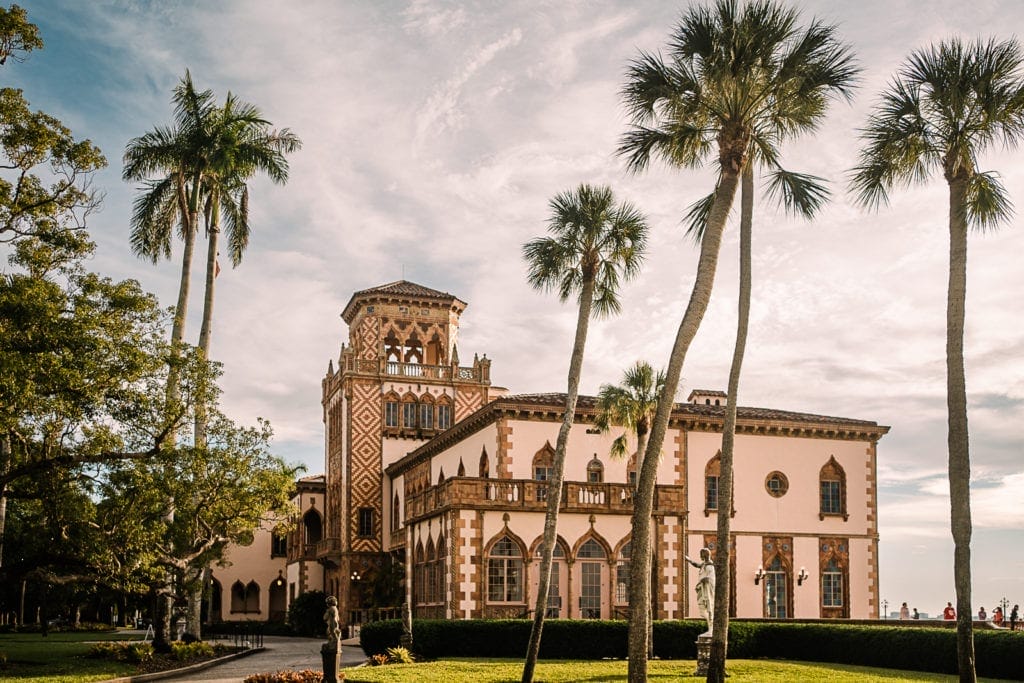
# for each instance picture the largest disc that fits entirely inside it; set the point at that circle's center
(531, 495)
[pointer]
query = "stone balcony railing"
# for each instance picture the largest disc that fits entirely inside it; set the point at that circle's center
(529, 495)
(328, 547)
(302, 551)
(416, 370)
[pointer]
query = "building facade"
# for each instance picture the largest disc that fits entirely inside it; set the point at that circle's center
(430, 466)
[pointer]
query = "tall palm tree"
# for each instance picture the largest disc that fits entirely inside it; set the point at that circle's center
(595, 243)
(241, 144)
(801, 195)
(177, 155)
(735, 77)
(631, 404)
(947, 105)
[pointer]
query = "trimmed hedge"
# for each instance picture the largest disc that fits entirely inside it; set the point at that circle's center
(999, 654)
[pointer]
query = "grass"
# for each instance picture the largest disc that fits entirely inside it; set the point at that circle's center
(548, 671)
(57, 658)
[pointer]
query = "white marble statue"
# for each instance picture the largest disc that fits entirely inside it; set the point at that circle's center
(705, 587)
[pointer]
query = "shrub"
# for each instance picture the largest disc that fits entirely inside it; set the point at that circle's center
(3, 660)
(306, 614)
(184, 652)
(122, 651)
(399, 655)
(378, 660)
(999, 654)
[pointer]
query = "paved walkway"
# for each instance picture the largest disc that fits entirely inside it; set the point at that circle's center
(280, 653)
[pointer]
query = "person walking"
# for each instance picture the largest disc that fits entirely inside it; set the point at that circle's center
(997, 616)
(949, 614)
(1013, 617)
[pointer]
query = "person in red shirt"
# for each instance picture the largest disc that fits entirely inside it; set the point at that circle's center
(949, 612)
(997, 616)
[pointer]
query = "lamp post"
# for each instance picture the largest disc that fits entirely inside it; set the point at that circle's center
(1004, 603)
(885, 609)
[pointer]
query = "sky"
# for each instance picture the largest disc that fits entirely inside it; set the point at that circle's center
(434, 135)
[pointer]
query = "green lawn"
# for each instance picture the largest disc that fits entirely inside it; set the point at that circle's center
(57, 658)
(740, 671)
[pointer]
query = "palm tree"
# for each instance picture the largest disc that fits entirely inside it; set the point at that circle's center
(947, 105)
(242, 143)
(735, 78)
(177, 154)
(594, 244)
(631, 405)
(801, 195)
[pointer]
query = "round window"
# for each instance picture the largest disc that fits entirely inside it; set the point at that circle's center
(776, 484)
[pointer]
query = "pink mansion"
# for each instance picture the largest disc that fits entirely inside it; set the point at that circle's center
(429, 465)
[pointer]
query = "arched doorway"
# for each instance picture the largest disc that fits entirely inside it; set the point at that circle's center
(278, 600)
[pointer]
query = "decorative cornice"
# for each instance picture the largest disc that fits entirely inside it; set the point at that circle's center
(687, 416)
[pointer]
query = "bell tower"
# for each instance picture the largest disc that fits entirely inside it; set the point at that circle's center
(398, 384)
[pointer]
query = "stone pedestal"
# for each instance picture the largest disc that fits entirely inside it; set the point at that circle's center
(332, 661)
(703, 654)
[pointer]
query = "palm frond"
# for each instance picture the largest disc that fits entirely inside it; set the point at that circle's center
(988, 204)
(696, 217)
(800, 194)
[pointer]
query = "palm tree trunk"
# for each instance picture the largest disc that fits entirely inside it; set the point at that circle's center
(956, 402)
(206, 330)
(643, 506)
(641, 446)
(554, 489)
(190, 219)
(720, 632)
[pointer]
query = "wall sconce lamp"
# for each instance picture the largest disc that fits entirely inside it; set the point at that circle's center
(279, 581)
(355, 575)
(758, 575)
(802, 576)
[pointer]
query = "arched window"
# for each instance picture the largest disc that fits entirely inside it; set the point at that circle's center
(776, 590)
(430, 580)
(413, 350)
(252, 598)
(313, 527)
(392, 350)
(396, 510)
(485, 464)
(439, 570)
(559, 574)
(591, 558)
(238, 597)
(426, 412)
(595, 471)
(418, 571)
(408, 412)
(711, 474)
(505, 572)
(834, 563)
(444, 413)
(543, 469)
(391, 412)
(622, 567)
(832, 482)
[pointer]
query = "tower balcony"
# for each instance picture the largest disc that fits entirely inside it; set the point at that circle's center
(478, 372)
